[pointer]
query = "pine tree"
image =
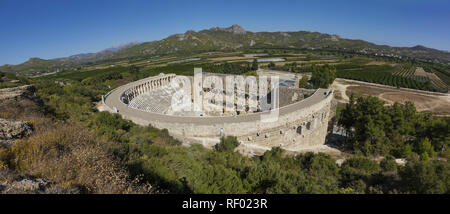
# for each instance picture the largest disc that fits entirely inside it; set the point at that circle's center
(255, 65)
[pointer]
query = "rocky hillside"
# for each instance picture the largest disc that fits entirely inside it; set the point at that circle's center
(236, 37)
(40, 153)
(11, 130)
(231, 38)
(16, 92)
(13, 183)
(8, 80)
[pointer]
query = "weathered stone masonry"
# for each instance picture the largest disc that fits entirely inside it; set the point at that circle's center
(300, 124)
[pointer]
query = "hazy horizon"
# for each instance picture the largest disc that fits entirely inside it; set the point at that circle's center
(51, 29)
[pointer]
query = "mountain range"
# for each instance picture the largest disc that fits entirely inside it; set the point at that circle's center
(226, 39)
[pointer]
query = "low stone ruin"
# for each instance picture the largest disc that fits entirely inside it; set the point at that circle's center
(12, 130)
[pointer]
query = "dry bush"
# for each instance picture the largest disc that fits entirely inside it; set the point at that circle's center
(65, 154)
(4, 158)
(71, 156)
(22, 108)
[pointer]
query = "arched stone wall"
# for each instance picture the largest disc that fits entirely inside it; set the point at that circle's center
(300, 124)
(142, 86)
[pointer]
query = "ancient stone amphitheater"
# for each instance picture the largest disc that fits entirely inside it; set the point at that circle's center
(302, 120)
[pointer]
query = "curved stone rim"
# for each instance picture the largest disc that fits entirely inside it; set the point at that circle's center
(112, 99)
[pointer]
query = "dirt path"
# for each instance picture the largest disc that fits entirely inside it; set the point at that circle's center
(252, 150)
(348, 81)
(436, 103)
(340, 89)
(439, 105)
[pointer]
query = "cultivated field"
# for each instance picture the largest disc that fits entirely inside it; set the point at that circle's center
(436, 103)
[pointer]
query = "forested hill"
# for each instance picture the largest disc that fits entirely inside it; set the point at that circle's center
(229, 39)
(236, 37)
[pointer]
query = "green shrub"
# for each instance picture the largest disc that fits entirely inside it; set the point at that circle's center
(227, 144)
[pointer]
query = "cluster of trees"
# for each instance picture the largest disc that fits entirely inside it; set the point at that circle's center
(101, 78)
(292, 67)
(322, 76)
(309, 68)
(303, 82)
(398, 130)
(254, 66)
(441, 70)
(357, 69)
(231, 68)
(195, 169)
(381, 75)
(8, 79)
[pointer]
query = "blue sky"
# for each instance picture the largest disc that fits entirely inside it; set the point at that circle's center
(59, 28)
